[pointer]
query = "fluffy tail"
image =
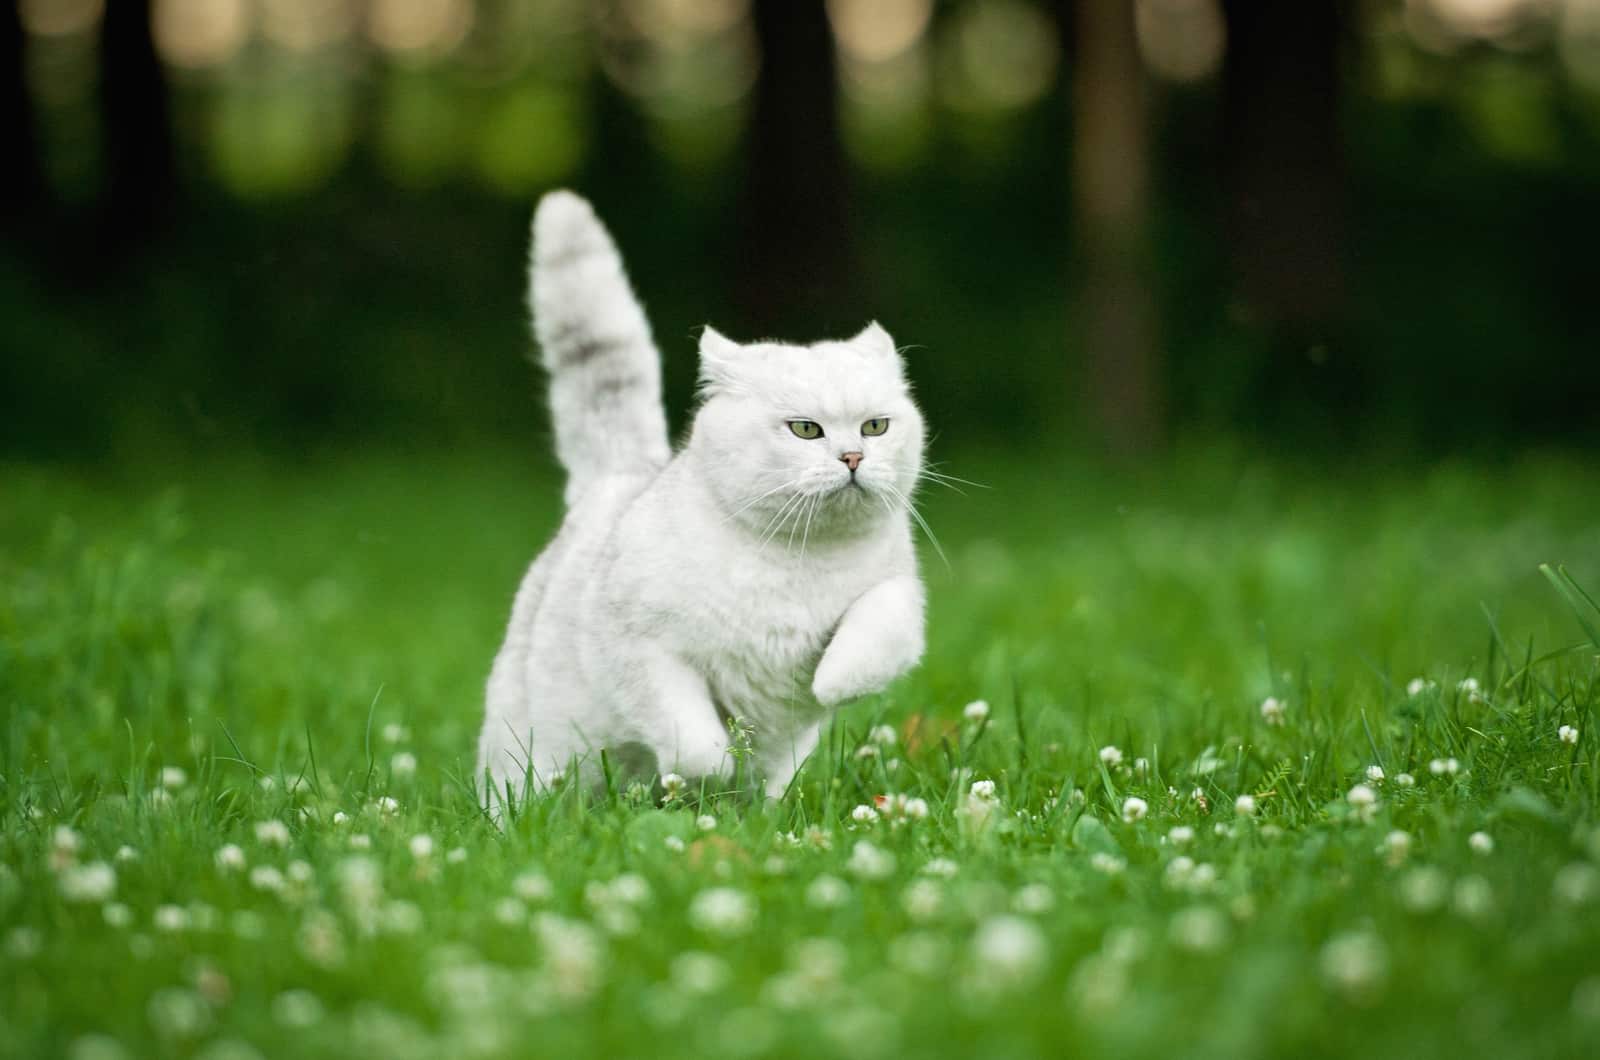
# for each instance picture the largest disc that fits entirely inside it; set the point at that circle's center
(605, 372)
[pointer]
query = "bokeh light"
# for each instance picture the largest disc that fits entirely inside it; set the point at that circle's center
(874, 31)
(59, 18)
(200, 33)
(1181, 40)
(419, 29)
(1000, 55)
(307, 25)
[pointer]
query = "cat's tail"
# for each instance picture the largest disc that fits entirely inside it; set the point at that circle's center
(605, 373)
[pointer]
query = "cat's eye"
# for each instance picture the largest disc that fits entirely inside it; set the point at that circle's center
(805, 429)
(875, 426)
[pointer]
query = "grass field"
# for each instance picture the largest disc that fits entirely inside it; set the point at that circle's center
(240, 702)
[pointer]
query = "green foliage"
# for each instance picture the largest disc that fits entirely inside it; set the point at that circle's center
(302, 644)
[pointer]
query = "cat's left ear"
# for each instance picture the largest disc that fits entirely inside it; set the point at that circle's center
(873, 339)
(718, 354)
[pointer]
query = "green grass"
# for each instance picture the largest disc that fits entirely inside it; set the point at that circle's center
(263, 627)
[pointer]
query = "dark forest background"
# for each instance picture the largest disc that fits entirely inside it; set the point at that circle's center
(292, 224)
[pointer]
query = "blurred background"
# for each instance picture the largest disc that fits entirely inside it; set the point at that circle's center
(289, 225)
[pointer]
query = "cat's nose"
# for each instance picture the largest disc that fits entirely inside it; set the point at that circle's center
(851, 460)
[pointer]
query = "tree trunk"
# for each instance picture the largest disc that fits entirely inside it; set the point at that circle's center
(794, 261)
(22, 186)
(139, 188)
(1282, 162)
(1110, 163)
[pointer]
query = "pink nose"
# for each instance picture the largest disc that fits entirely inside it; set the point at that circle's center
(851, 460)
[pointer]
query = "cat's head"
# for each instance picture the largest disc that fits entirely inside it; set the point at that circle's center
(826, 433)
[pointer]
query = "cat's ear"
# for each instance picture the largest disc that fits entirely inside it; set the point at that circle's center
(718, 355)
(874, 340)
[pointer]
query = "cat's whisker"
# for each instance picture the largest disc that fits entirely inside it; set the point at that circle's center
(791, 483)
(775, 527)
(911, 509)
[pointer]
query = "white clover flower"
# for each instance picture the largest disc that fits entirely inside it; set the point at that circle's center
(1577, 884)
(1008, 951)
(1106, 864)
(421, 846)
(1111, 755)
(923, 900)
(64, 844)
(1468, 684)
(1221, 831)
(1473, 898)
(1245, 806)
(1423, 890)
(1416, 686)
(509, 911)
(532, 887)
(1375, 774)
(387, 805)
(341, 818)
(321, 942)
(982, 789)
(943, 868)
(1356, 965)
(297, 1009)
(360, 841)
(230, 857)
(1481, 843)
(1363, 799)
(117, 915)
(1181, 835)
(266, 782)
(173, 778)
(401, 918)
(705, 822)
(266, 878)
(170, 918)
(178, 1013)
(1272, 710)
(883, 735)
(867, 750)
(1404, 780)
(694, 972)
(1141, 766)
(977, 710)
(360, 882)
(827, 892)
(1396, 847)
(1198, 929)
(159, 798)
(1440, 767)
(863, 814)
(273, 833)
(1178, 870)
(675, 844)
(672, 784)
(722, 911)
(869, 862)
(125, 854)
(1568, 733)
(94, 882)
(1034, 899)
(403, 764)
(300, 872)
(1134, 809)
(915, 808)
(394, 732)
(457, 855)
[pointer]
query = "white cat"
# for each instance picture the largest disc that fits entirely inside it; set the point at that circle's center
(763, 574)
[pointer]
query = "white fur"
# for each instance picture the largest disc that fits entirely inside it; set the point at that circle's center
(744, 577)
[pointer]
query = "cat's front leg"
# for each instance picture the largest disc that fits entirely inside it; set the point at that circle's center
(687, 734)
(879, 638)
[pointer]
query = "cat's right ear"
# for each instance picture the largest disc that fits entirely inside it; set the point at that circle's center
(718, 353)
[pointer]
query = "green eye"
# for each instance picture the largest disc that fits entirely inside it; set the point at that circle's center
(875, 426)
(805, 429)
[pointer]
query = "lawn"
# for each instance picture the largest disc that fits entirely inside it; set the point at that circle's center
(1233, 756)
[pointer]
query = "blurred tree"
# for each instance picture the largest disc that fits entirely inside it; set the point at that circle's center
(139, 179)
(1282, 162)
(795, 263)
(22, 179)
(1110, 183)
